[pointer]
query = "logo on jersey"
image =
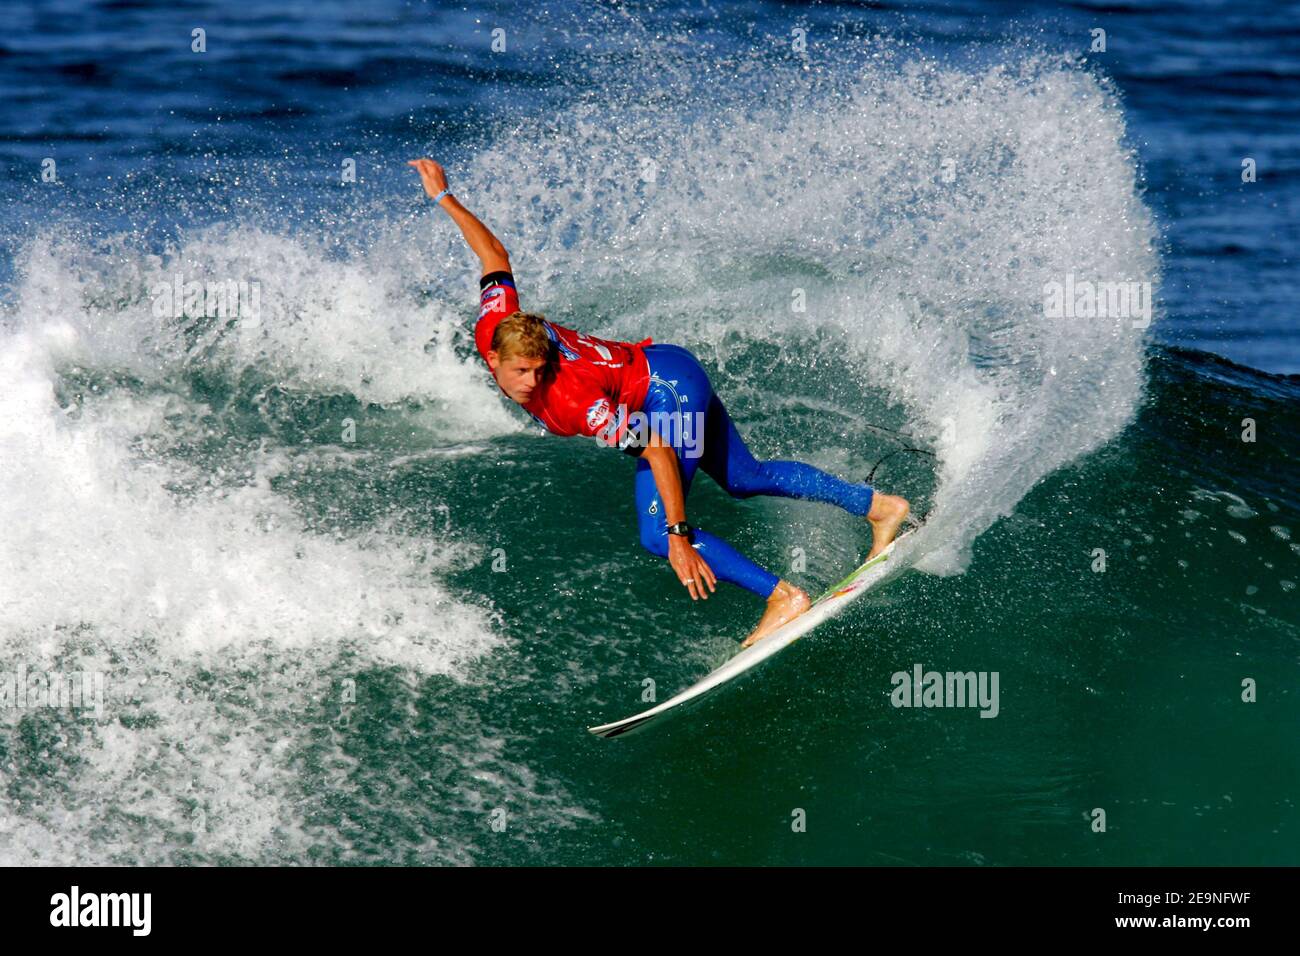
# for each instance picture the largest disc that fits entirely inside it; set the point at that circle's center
(493, 300)
(604, 352)
(609, 434)
(597, 413)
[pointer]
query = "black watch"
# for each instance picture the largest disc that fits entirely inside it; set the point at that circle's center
(681, 528)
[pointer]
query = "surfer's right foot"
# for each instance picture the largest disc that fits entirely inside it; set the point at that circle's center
(887, 513)
(784, 604)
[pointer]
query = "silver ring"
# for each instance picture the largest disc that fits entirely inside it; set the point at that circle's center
(689, 581)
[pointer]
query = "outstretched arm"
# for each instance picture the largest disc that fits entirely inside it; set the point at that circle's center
(692, 570)
(486, 246)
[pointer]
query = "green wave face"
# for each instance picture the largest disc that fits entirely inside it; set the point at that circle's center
(351, 609)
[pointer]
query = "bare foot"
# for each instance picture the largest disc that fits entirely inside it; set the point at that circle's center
(887, 513)
(784, 604)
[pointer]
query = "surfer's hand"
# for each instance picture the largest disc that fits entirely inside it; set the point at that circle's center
(431, 174)
(692, 570)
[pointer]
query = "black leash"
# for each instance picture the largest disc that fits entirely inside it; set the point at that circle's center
(897, 451)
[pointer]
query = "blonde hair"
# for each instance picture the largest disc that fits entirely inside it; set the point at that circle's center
(522, 335)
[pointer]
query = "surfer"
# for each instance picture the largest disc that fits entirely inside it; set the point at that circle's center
(655, 402)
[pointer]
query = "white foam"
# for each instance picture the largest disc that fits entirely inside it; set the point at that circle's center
(767, 180)
(834, 183)
(103, 569)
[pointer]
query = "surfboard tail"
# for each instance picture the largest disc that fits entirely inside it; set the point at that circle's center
(830, 602)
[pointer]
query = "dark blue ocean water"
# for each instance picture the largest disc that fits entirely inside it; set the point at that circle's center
(351, 608)
(148, 135)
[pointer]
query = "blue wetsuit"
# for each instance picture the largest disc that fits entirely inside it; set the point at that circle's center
(687, 414)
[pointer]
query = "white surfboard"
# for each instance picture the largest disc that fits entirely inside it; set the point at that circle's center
(833, 600)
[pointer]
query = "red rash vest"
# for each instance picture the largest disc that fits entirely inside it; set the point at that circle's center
(595, 384)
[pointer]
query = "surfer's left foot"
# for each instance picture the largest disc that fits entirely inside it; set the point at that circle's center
(887, 513)
(784, 604)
